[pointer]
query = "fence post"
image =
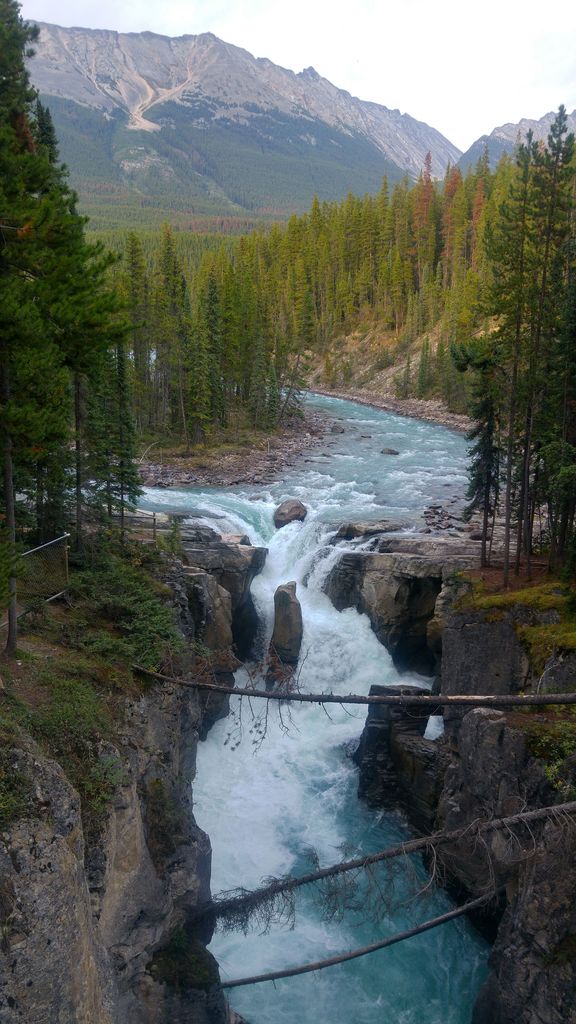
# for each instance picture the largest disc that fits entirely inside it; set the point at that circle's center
(154, 527)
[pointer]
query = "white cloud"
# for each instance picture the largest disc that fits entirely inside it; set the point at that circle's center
(463, 69)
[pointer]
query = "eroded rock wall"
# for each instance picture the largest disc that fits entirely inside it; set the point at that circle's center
(87, 907)
(484, 768)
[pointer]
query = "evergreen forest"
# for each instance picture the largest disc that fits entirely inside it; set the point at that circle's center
(112, 343)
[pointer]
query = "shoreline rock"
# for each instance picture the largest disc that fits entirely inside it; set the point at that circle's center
(258, 466)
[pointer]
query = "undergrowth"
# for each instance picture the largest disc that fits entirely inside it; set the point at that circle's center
(184, 963)
(551, 737)
(66, 690)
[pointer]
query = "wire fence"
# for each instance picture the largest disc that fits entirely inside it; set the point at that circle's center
(42, 575)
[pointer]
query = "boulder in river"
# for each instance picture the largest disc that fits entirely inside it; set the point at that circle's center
(390, 451)
(336, 429)
(289, 511)
(287, 635)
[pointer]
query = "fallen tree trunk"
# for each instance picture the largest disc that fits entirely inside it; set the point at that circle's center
(232, 905)
(404, 700)
(319, 965)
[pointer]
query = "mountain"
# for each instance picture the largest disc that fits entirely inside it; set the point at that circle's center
(505, 139)
(193, 126)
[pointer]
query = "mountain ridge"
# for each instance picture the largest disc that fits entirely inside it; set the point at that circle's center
(504, 138)
(201, 100)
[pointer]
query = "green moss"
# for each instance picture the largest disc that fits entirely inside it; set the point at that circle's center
(184, 963)
(545, 597)
(552, 739)
(542, 641)
(165, 825)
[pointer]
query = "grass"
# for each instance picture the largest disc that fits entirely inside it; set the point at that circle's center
(16, 791)
(540, 597)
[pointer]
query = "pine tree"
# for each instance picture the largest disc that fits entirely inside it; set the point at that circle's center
(484, 464)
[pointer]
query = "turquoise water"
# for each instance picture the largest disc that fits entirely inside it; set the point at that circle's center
(266, 797)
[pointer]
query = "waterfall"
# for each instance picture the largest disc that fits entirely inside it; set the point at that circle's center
(268, 792)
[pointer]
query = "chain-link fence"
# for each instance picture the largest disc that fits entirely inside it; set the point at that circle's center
(42, 575)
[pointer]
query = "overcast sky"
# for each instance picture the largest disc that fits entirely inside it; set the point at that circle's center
(463, 68)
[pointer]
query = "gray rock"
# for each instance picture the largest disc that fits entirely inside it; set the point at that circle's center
(493, 775)
(350, 531)
(397, 765)
(559, 674)
(481, 655)
(287, 635)
(86, 911)
(234, 566)
(289, 511)
(390, 451)
(398, 592)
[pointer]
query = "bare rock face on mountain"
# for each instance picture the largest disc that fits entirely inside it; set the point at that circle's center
(160, 115)
(505, 138)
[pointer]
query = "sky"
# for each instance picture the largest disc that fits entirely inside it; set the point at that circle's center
(462, 68)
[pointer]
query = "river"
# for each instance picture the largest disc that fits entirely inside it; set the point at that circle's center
(269, 795)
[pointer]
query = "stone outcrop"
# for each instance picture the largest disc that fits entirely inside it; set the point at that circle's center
(204, 610)
(483, 768)
(492, 775)
(484, 655)
(533, 962)
(287, 634)
(232, 566)
(559, 674)
(353, 531)
(88, 907)
(397, 765)
(289, 511)
(398, 591)
(83, 912)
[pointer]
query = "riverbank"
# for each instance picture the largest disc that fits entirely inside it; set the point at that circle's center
(227, 465)
(430, 410)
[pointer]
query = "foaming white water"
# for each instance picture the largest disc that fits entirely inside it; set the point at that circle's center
(267, 794)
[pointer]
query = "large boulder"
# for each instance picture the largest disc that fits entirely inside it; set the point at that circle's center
(211, 605)
(289, 511)
(483, 653)
(287, 635)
